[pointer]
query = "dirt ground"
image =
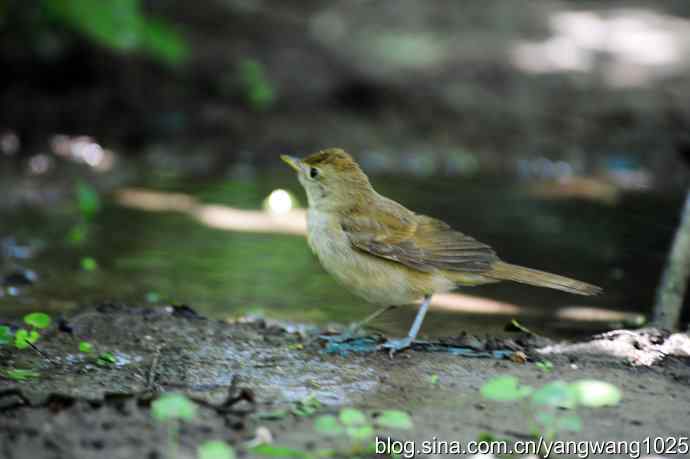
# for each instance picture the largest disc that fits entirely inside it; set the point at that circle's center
(249, 376)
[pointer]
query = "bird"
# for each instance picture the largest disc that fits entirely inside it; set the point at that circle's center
(391, 256)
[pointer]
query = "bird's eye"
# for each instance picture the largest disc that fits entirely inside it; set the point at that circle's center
(313, 172)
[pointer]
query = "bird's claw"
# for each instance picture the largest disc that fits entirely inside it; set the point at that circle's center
(396, 345)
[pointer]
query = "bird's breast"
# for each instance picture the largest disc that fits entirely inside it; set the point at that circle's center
(372, 278)
(330, 243)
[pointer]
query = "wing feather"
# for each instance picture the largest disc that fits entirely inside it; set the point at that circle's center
(420, 242)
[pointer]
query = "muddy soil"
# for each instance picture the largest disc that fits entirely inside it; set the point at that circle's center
(251, 374)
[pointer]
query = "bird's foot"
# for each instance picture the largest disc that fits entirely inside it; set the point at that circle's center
(396, 345)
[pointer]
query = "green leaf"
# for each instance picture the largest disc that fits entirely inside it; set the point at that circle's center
(260, 93)
(486, 437)
(352, 417)
(153, 297)
(595, 393)
(521, 327)
(173, 406)
(88, 264)
(88, 200)
(307, 406)
(24, 338)
(328, 425)
(19, 374)
(557, 394)
(21, 339)
(161, 40)
(545, 366)
(215, 450)
(111, 23)
(545, 418)
(269, 450)
(363, 432)
(394, 419)
(78, 233)
(5, 334)
(571, 423)
(85, 347)
(119, 25)
(106, 359)
(37, 320)
(504, 389)
(261, 96)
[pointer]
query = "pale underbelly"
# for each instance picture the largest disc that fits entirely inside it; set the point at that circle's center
(376, 280)
(376, 284)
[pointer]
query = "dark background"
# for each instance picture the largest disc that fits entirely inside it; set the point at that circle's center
(588, 82)
(558, 132)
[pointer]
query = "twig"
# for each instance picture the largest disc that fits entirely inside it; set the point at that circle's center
(151, 378)
(521, 327)
(671, 290)
(36, 349)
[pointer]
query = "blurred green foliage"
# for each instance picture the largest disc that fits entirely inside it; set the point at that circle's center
(259, 91)
(173, 406)
(37, 320)
(120, 25)
(548, 405)
(88, 201)
(215, 449)
(89, 264)
(106, 359)
(25, 338)
(18, 374)
(85, 347)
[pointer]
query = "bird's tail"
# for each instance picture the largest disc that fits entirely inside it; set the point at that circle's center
(506, 271)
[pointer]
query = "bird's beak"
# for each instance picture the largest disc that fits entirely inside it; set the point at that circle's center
(292, 161)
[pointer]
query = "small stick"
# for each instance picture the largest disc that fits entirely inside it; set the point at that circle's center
(671, 290)
(151, 378)
(37, 350)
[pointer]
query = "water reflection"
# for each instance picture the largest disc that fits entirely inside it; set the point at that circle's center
(278, 219)
(207, 245)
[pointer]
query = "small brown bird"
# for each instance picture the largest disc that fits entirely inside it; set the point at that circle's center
(389, 255)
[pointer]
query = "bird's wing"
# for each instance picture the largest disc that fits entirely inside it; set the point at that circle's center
(417, 241)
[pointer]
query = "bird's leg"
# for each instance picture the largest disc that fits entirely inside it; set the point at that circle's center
(395, 345)
(352, 330)
(373, 316)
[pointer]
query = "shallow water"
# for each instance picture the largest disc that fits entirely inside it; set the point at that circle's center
(161, 257)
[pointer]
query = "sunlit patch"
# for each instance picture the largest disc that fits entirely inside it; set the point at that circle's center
(279, 202)
(215, 216)
(468, 304)
(638, 45)
(590, 188)
(83, 149)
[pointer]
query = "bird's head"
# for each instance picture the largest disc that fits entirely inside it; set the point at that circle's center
(331, 178)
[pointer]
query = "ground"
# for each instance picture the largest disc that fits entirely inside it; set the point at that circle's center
(256, 376)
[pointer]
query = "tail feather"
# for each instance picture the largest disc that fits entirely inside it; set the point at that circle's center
(515, 273)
